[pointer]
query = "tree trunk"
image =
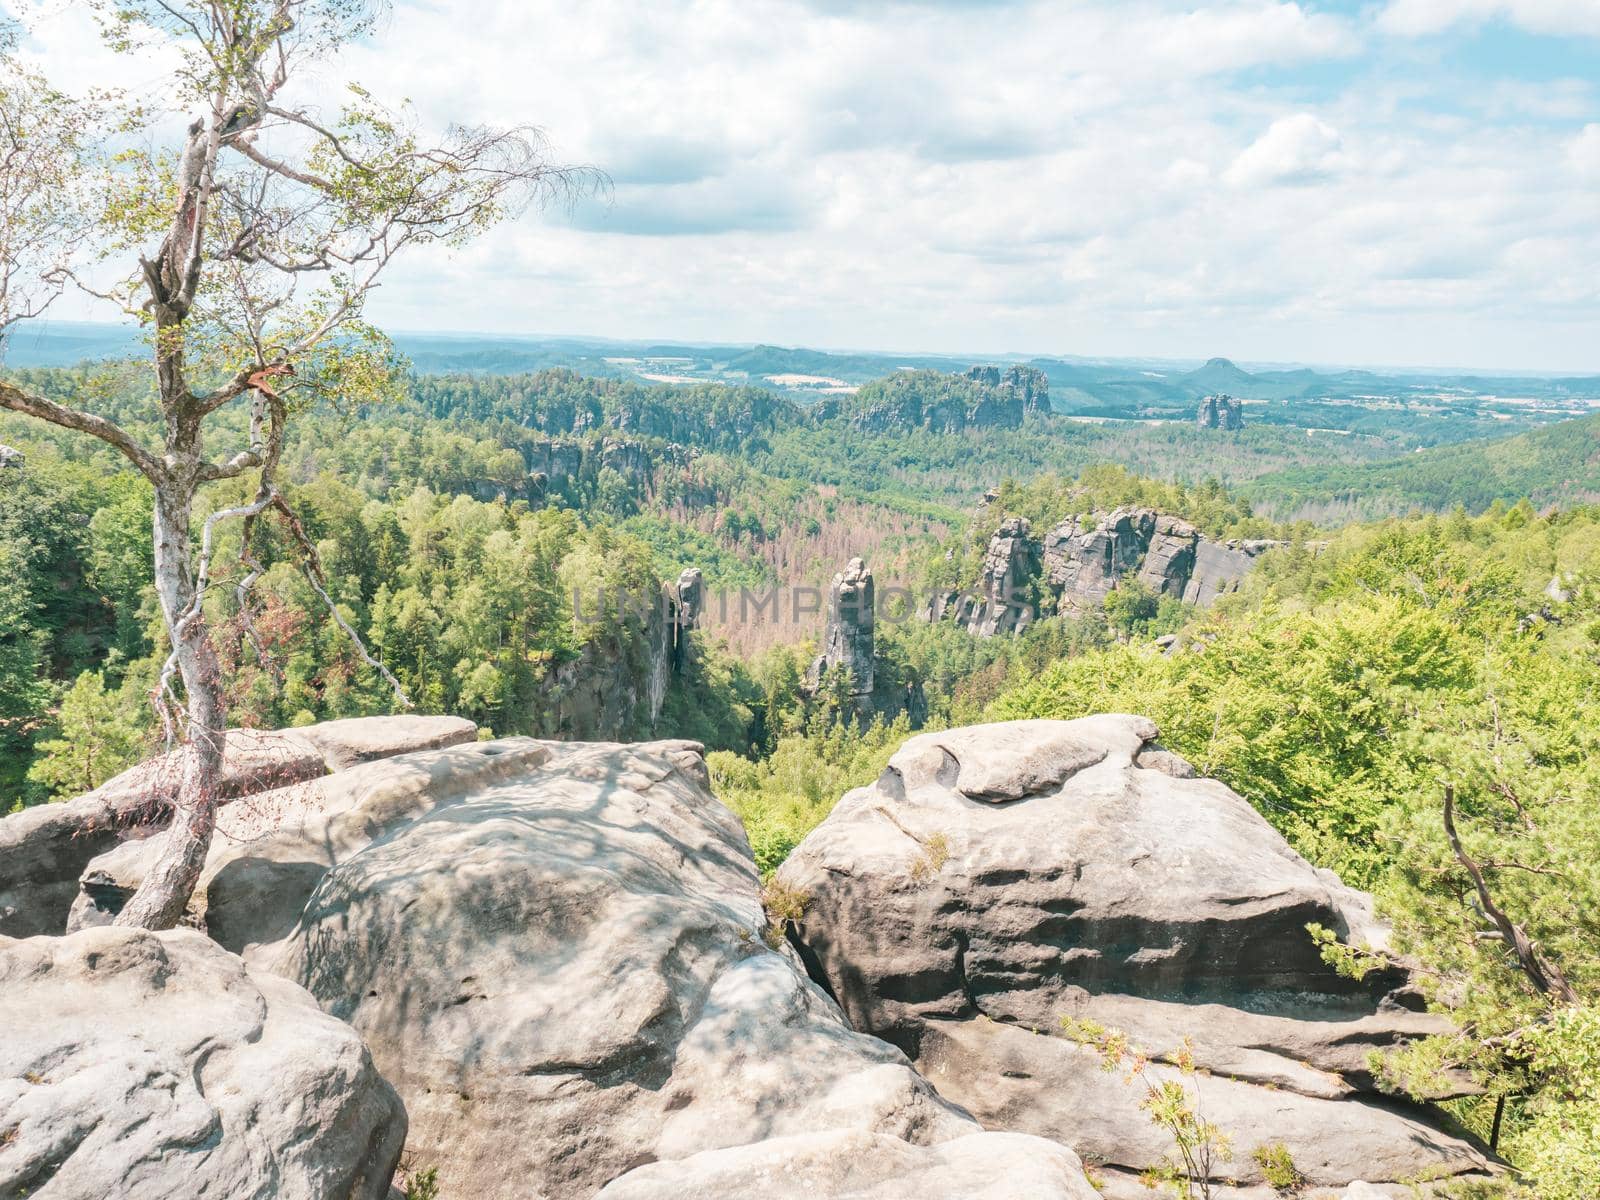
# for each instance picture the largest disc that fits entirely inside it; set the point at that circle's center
(164, 895)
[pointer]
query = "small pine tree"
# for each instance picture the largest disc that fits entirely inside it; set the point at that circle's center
(96, 740)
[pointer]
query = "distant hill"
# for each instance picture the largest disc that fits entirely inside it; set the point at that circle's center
(1220, 375)
(1559, 463)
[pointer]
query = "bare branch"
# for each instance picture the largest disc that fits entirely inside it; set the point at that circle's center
(19, 401)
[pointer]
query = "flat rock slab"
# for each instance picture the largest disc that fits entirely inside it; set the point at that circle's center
(999, 878)
(866, 1166)
(152, 1065)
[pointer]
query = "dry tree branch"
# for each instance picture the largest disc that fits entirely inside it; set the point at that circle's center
(1545, 975)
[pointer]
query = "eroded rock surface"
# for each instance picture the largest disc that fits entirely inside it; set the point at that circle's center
(556, 953)
(44, 850)
(152, 1065)
(1000, 878)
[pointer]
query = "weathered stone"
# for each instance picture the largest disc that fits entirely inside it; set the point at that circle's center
(1010, 565)
(151, 1065)
(1220, 412)
(842, 1165)
(1001, 878)
(45, 850)
(11, 459)
(690, 602)
(348, 743)
(847, 640)
(556, 952)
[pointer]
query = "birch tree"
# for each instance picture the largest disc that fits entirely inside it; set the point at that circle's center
(249, 240)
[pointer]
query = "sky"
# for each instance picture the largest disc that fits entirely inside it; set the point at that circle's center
(1376, 182)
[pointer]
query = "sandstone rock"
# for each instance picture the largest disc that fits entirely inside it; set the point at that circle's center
(556, 952)
(1218, 569)
(847, 640)
(689, 605)
(1220, 412)
(866, 1166)
(1010, 566)
(1000, 878)
(348, 743)
(146, 1066)
(44, 850)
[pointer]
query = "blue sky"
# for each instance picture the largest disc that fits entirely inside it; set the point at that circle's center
(1407, 182)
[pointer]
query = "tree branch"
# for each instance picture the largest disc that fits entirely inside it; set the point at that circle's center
(1545, 975)
(28, 405)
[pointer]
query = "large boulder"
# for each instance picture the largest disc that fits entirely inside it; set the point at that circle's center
(150, 1065)
(999, 879)
(556, 951)
(44, 850)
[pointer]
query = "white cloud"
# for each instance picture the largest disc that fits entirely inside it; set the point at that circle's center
(1422, 17)
(1299, 149)
(1084, 176)
(1584, 152)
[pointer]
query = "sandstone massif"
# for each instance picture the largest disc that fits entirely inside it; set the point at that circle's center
(546, 969)
(1075, 565)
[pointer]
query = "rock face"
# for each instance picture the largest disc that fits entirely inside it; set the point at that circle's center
(1000, 878)
(1220, 412)
(1079, 562)
(1005, 603)
(848, 645)
(690, 603)
(847, 640)
(556, 953)
(44, 850)
(147, 1066)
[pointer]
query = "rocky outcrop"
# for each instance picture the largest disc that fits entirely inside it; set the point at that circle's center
(847, 639)
(689, 605)
(44, 850)
(1220, 412)
(848, 646)
(1000, 878)
(986, 397)
(11, 459)
(151, 1065)
(1079, 562)
(1005, 601)
(556, 953)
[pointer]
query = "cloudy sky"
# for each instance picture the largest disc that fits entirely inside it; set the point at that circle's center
(1341, 181)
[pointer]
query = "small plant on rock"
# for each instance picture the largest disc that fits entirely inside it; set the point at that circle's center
(1278, 1168)
(782, 905)
(1170, 1103)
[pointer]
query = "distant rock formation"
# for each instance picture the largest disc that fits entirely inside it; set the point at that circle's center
(556, 954)
(1010, 566)
(999, 878)
(689, 603)
(985, 397)
(11, 459)
(848, 645)
(847, 640)
(1221, 411)
(1079, 562)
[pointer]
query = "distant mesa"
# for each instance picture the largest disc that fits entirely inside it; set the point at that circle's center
(1221, 411)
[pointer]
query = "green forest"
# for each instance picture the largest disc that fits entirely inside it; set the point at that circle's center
(1362, 675)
